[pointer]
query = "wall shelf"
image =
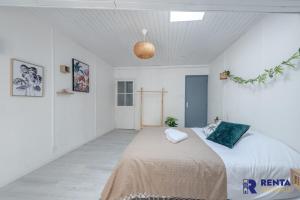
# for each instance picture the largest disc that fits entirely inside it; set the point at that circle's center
(64, 92)
(64, 69)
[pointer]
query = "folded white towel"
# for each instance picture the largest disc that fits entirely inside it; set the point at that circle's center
(174, 135)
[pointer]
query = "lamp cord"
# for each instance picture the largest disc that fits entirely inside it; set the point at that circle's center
(144, 31)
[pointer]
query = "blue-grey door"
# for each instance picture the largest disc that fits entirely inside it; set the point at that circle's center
(196, 100)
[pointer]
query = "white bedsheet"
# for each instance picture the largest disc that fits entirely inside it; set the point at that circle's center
(256, 157)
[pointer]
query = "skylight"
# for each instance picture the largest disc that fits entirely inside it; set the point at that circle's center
(180, 16)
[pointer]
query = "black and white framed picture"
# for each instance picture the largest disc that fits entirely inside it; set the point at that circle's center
(27, 79)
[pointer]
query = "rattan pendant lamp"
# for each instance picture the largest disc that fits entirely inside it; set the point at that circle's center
(144, 49)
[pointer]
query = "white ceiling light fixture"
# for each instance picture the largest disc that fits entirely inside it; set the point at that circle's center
(181, 16)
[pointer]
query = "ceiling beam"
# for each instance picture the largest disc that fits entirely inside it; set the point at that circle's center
(91, 4)
(264, 6)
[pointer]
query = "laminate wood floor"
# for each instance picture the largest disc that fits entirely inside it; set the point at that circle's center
(79, 175)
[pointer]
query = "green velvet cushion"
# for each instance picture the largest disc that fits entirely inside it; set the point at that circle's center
(228, 134)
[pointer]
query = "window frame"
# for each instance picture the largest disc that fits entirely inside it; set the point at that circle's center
(125, 92)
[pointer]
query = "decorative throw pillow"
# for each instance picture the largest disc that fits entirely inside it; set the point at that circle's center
(228, 134)
(210, 128)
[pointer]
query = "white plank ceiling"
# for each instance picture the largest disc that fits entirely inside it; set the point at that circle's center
(111, 34)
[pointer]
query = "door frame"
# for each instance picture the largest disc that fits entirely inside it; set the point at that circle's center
(185, 90)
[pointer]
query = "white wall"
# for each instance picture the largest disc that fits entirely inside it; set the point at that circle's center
(105, 103)
(35, 131)
(171, 79)
(272, 109)
(76, 119)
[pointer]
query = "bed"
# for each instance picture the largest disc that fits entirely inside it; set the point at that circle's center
(256, 157)
(153, 168)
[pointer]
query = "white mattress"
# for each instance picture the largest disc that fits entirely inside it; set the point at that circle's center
(256, 157)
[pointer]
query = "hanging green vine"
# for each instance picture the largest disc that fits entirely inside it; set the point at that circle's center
(268, 73)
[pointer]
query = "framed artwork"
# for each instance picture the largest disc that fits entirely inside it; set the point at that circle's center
(81, 73)
(27, 79)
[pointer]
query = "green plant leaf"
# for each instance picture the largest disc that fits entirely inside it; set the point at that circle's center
(171, 122)
(268, 73)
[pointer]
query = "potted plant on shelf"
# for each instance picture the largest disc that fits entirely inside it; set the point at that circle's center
(171, 122)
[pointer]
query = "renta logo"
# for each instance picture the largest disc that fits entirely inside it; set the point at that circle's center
(275, 182)
(249, 185)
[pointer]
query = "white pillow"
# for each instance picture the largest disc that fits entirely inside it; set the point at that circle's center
(210, 128)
